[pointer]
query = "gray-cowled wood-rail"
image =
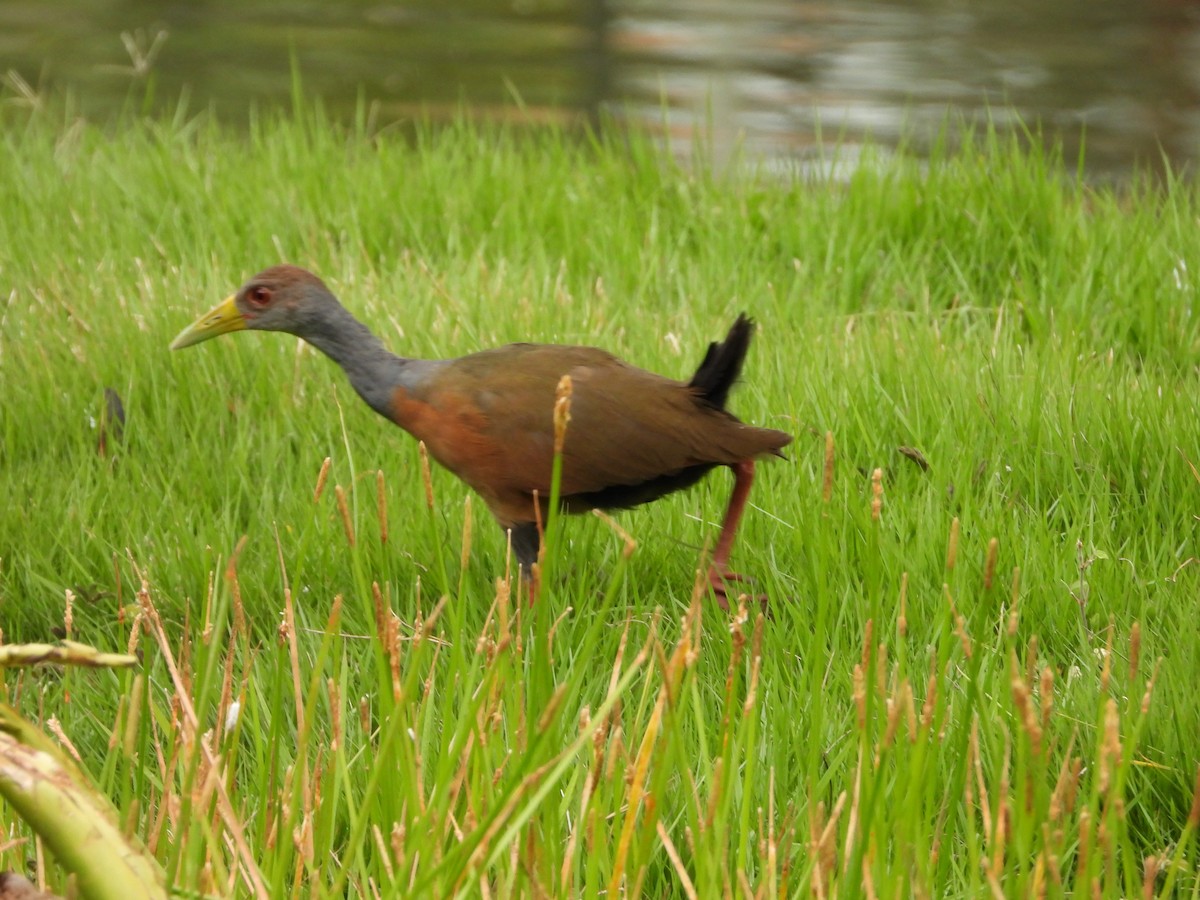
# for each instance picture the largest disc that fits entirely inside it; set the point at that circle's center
(488, 417)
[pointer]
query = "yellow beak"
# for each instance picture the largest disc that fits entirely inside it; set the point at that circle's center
(221, 320)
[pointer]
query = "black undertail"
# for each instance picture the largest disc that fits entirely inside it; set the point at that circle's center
(624, 496)
(722, 363)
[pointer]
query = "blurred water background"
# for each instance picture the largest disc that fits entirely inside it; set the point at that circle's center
(780, 82)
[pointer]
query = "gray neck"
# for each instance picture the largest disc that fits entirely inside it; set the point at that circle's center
(373, 370)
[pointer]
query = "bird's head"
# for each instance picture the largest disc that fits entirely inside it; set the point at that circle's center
(281, 298)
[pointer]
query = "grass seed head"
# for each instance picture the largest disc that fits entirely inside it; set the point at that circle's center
(1046, 696)
(960, 624)
(952, 546)
(562, 412)
(1146, 695)
(895, 707)
(868, 640)
(927, 707)
(68, 613)
(365, 714)
(989, 564)
(381, 506)
(1110, 745)
(466, 534)
(426, 476)
(344, 511)
(1150, 869)
(1014, 595)
(860, 696)
(1026, 716)
(322, 476)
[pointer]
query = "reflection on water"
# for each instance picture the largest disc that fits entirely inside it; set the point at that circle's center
(778, 79)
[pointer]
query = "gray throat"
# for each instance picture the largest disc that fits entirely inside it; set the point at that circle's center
(374, 371)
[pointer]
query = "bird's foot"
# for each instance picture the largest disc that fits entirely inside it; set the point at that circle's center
(719, 580)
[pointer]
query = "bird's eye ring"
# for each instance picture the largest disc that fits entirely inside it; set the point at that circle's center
(259, 296)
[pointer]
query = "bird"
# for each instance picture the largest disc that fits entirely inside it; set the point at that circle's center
(488, 417)
(18, 887)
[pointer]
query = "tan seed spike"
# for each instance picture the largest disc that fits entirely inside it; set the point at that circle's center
(1150, 687)
(755, 667)
(1046, 695)
(910, 709)
(344, 510)
(876, 494)
(816, 821)
(239, 609)
(630, 543)
(1024, 705)
(392, 650)
(426, 478)
(1085, 844)
(377, 598)
(976, 791)
(1003, 811)
(562, 413)
(860, 696)
(989, 565)
(1110, 750)
(55, 728)
(952, 548)
(868, 880)
(364, 714)
(135, 632)
(930, 697)
(960, 624)
(466, 536)
(381, 506)
(321, 478)
(685, 880)
(551, 711)
(828, 840)
(69, 613)
(226, 701)
(1150, 868)
(335, 706)
(1012, 603)
(289, 620)
(895, 707)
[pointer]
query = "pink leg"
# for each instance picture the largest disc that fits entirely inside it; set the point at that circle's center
(718, 572)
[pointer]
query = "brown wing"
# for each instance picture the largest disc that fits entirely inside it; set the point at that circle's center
(628, 426)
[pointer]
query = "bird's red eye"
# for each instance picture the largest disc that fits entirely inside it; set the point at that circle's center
(259, 296)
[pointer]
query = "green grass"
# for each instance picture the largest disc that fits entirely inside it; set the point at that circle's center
(911, 720)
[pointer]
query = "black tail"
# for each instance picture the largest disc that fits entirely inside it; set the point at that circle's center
(723, 363)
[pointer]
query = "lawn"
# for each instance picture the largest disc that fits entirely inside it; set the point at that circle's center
(977, 674)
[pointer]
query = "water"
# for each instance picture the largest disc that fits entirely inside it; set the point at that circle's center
(782, 81)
